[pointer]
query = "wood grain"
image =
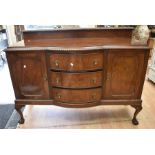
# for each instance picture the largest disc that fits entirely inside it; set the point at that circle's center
(86, 53)
(78, 37)
(28, 73)
(107, 117)
(76, 80)
(76, 62)
(76, 96)
(124, 73)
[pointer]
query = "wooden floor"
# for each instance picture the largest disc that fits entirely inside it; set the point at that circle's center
(95, 117)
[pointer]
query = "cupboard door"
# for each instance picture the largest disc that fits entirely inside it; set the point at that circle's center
(125, 71)
(28, 73)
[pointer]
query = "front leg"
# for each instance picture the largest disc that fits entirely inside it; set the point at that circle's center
(18, 109)
(138, 109)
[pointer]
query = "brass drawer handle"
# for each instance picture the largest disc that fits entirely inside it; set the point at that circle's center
(57, 63)
(58, 96)
(57, 81)
(93, 96)
(108, 76)
(45, 77)
(93, 81)
(95, 62)
(71, 64)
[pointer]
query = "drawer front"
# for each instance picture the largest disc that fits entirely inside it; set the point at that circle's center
(76, 62)
(76, 96)
(76, 80)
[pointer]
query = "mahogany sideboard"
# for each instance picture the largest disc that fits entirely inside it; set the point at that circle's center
(78, 68)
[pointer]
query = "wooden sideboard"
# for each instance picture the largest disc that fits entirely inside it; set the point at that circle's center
(78, 68)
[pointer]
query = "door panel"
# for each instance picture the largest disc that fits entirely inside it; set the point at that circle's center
(28, 72)
(124, 73)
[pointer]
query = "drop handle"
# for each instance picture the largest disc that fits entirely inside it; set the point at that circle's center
(108, 76)
(95, 62)
(45, 77)
(71, 64)
(57, 63)
(93, 96)
(57, 80)
(58, 96)
(93, 81)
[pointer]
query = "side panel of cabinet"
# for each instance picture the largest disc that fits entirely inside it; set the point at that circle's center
(125, 74)
(29, 74)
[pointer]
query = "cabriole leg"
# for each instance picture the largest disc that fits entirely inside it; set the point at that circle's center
(138, 109)
(18, 109)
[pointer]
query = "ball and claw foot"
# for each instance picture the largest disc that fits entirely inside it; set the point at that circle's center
(135, 121)
(21, 121)
(137, 110)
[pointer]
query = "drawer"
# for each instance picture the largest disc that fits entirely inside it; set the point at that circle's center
(76, 62)
(76, 96)
(76, 80)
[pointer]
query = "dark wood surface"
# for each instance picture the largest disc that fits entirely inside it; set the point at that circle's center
(76, 62)
(22, 102)
(124, 73)
(29, 75)
(70, 74)
(78, 37)
(76, 80)
(74, 49)
(83, 96)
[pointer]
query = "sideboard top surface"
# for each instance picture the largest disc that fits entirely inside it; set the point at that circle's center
(92, 48)
(80, 29)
